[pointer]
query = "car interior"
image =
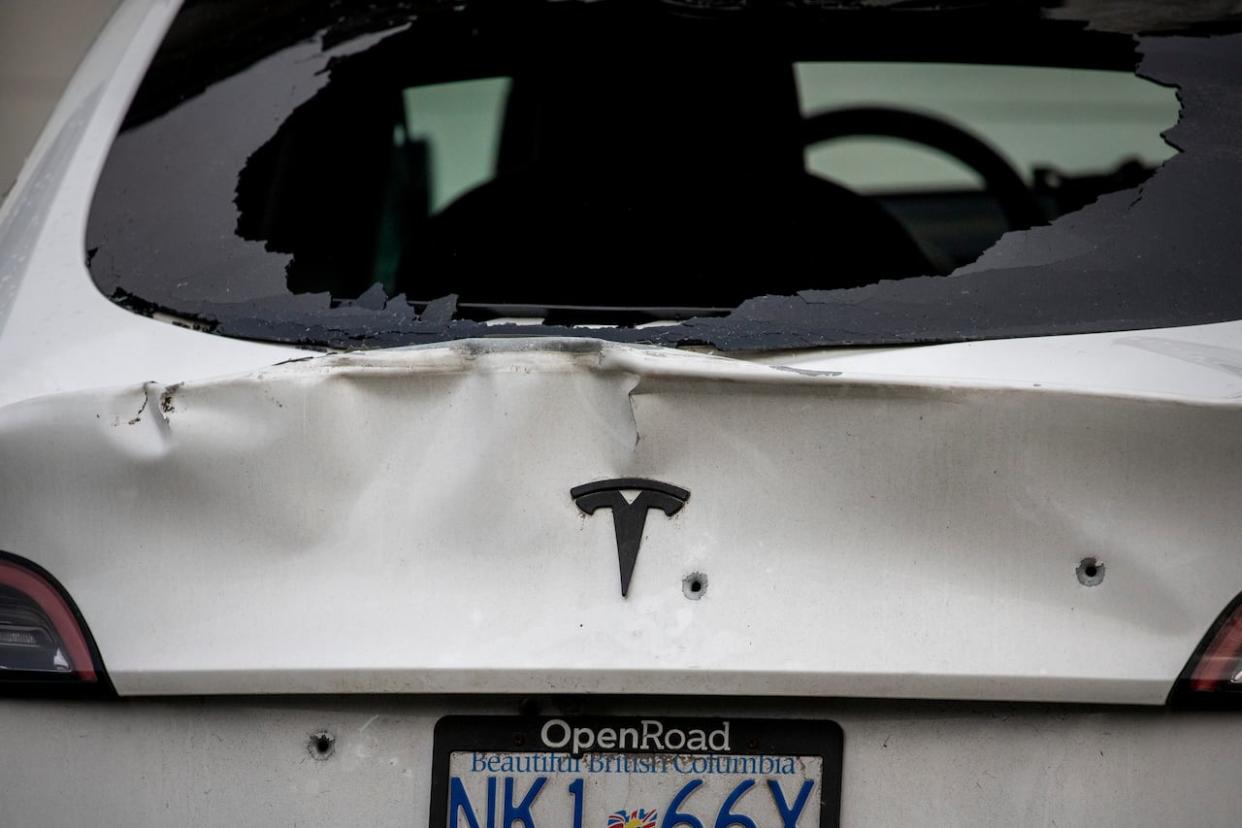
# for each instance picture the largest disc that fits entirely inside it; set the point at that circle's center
(627, 167)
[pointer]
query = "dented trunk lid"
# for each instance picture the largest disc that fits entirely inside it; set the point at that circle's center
(402, 521)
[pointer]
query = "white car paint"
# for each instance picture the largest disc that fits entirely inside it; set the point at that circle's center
(245, 762)
(862, 537)
(940, 566)
(880, 522)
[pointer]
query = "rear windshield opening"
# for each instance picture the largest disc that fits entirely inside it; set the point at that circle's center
(573, 164)
(838, 174)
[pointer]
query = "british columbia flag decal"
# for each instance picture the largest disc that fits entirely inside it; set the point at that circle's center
(633, 819)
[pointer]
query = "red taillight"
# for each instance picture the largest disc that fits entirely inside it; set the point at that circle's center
(43, 642)
(1214, 673)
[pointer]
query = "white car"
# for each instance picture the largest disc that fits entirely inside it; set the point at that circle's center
(563, 414)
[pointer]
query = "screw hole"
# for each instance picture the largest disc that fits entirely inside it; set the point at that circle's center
(694, 585)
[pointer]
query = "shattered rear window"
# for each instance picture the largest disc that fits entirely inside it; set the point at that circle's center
(745, 174)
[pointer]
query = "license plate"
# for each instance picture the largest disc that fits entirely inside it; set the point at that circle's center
(635, 772)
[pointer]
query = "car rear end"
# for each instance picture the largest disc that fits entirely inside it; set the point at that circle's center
(291, 536)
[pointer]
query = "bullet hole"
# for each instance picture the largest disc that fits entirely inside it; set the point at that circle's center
(1090, 572)
(321, 745)
(694, 585)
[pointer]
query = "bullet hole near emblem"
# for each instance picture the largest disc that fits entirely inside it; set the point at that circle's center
(321, 745)
(694, 585)
(1090, 572)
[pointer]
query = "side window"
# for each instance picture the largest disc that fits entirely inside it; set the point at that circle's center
(460, 123)
(444, 144)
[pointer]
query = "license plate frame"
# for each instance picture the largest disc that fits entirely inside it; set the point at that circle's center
(777, 737)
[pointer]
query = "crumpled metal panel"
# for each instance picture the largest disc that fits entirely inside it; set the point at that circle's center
(400, 521)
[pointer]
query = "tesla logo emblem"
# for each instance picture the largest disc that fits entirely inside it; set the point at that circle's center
(629, 517)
